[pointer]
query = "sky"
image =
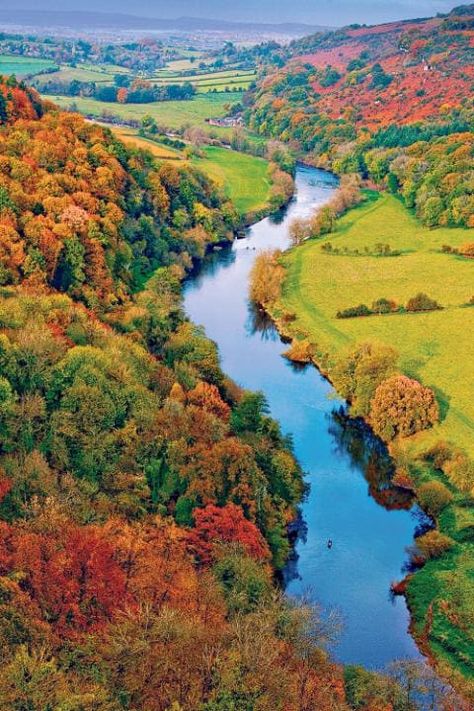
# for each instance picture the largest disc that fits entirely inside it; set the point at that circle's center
(326, 12)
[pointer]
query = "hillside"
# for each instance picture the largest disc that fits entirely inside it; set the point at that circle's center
(369, 99)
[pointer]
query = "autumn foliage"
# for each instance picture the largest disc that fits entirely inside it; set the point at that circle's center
(401, 407)
(215, 526)
(377, 101)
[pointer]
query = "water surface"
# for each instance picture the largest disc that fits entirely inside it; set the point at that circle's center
(345, 466)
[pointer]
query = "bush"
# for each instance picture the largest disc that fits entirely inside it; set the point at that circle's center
(433, 544)
(384, 306)
(422, 302)
(460, 471)
(434, 497)
(438, 454)
(299, 352)
(467, 250)
(360, 371)
(401, 407)
(354, 312)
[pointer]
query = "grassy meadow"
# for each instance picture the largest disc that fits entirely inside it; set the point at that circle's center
(171, 114)
(243, 177)
(436, 347)
(130, 137)
(23, 66)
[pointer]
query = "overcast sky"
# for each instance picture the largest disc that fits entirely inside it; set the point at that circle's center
(329, 12)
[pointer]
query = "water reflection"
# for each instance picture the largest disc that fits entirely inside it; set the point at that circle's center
(370, 456)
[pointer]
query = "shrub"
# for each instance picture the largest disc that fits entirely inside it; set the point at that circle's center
(422, 302)
(433, 544)
(460, 471)
(384, 306)
(438, 454)
(433, 497)
(401, 407)
(299, 352)
(354, 312)
(360, 371)
(467, 250)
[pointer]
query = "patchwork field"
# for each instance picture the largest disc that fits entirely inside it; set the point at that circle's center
(175, 73)
(435, 347)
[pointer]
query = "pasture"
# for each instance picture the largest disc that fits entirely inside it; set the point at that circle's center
(243, 177)
(436, 347)
(23, 66)
(170, 114)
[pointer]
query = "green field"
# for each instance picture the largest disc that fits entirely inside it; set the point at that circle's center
(437, 347)
(100, 74)
(171, 114)
(23, 66)
(243, 177)
(208, 81)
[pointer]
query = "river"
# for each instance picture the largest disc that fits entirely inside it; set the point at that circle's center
(344, 464)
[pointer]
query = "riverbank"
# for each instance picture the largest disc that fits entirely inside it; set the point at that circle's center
(341, 464)
(320, 282)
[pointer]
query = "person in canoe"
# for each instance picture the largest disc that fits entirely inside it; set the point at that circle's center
(329, 543)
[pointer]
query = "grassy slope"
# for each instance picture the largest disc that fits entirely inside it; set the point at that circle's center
(434, 347)
(130, 137)
(243, 177)
(172, 114)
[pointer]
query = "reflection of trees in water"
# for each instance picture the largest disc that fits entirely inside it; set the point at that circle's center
(213, 262)
(259, 321)
(298, 533)
(368, 453)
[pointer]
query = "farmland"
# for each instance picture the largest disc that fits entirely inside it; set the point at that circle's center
(244, 178)
(204, 80)
(171, 114)
(320, 284)
(23, 66)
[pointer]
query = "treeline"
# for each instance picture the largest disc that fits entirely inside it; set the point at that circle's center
(138, 92)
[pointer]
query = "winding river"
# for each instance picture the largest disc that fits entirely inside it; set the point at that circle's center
(350, 500)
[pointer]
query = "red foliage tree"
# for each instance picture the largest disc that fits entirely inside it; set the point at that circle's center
(216, 525)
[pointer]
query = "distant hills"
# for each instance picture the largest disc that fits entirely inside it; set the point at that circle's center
(104, 20)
